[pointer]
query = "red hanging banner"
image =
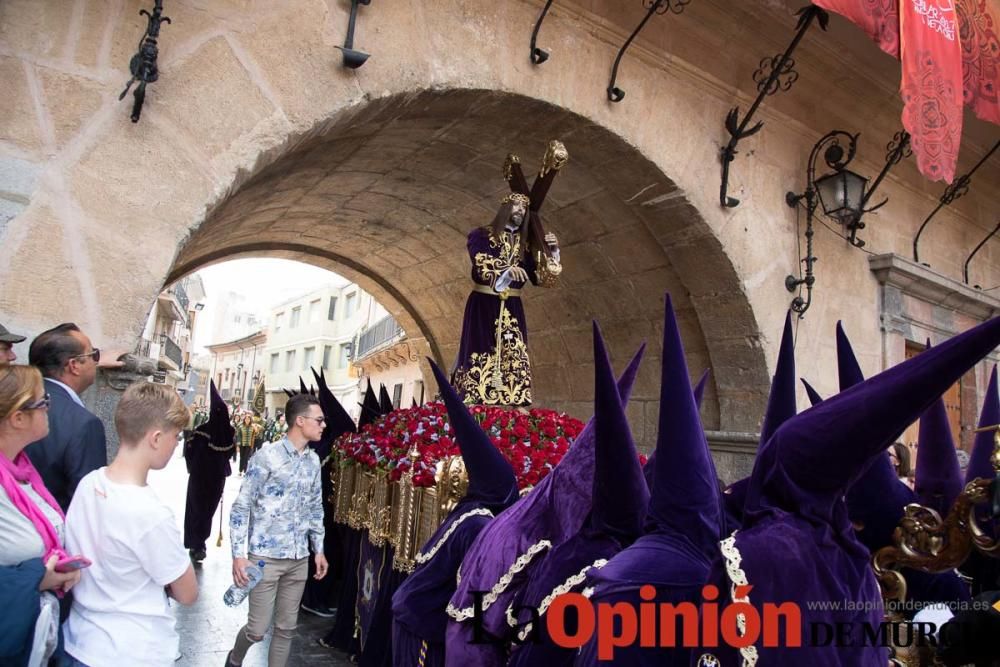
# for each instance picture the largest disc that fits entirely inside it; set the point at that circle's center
(878, 18)
(978, 28)
(931, 87)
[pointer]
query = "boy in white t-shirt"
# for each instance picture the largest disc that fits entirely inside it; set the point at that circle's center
(120, 613)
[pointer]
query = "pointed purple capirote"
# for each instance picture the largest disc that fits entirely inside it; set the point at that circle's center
(491, 479)
(338, 421)
(218, 428)
(650, 467)
(982, 448)
(384, 402)
(685, 499)
(938, 478)
(554, 511)
(370, 411)
(620, 495)
(848, 368)
(814, 397)
(781, 399)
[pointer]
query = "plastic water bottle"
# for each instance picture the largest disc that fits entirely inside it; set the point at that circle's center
(236, 594)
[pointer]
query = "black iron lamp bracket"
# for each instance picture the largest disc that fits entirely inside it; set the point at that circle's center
(773, 74)
(832, 147)
(539, 55)
(965, 269)
(143, 64)
(616, 94)
(353, 58)
(958, 188)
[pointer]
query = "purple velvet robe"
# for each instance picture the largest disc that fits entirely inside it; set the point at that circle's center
(418, 607)
(474, 373)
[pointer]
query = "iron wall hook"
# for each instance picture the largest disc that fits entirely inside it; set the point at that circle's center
(353, 58)
(958, 188)
(616, 94)
(896, 150)
(965, 269)
(539, 55)
(143, 64)
(781, 78)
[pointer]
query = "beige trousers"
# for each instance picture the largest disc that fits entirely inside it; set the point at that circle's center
(276, 597)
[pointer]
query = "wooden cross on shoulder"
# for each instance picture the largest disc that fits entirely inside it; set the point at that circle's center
(555, 158)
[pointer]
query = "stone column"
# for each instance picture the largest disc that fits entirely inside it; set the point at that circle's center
(102, 398)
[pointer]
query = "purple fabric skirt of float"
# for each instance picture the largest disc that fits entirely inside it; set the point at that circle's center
(474, 365)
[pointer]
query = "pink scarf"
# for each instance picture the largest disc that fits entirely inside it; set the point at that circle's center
(12, 475)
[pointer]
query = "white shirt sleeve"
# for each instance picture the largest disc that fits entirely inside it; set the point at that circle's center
(162, 553)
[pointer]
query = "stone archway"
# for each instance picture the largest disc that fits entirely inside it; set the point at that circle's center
(387, 191)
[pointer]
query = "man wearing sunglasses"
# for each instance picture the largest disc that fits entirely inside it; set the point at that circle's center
(76, 442)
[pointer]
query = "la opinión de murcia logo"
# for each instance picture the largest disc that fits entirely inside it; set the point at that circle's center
(572, 621)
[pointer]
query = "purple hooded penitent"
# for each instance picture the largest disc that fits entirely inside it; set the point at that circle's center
(938, 478)
(419, 603)
(498, 561)
(982, 448)
(616, 518)
(876, 503)
(218, 428)
(798, 544)
(684, 521)
(984, 571)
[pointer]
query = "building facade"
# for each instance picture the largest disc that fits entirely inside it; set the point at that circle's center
(237, 368)
(315, 331)
(256, 141)
(385, 357)
(169, 331)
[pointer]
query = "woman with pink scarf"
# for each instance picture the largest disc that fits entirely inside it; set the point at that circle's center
(31, 527)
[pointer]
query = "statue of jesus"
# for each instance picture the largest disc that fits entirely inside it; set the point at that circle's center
(493, 366)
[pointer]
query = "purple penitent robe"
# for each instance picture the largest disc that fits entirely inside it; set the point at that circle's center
(479, 377)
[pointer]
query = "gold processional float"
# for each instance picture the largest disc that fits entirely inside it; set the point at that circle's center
(924, 541)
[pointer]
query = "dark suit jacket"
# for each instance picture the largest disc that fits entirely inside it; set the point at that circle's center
(74, 446)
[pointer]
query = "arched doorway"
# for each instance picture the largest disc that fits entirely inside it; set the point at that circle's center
(385, 194)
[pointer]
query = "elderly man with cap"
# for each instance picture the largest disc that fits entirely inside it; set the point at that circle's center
(7, 342)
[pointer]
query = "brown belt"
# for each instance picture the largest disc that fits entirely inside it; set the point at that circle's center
(483, 289)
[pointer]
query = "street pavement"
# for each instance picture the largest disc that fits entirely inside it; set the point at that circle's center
(208, 627)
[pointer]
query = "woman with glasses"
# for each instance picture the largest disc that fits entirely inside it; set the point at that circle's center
(31, 526)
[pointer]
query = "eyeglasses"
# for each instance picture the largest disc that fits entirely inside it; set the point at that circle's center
(40, 404)
(318, 420)
(95, 353)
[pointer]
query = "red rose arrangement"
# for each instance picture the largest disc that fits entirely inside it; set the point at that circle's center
(533, 442)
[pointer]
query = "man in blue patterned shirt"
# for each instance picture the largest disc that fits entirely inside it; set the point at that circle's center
(280, 506)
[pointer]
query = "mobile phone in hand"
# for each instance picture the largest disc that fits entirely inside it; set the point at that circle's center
(72, 564)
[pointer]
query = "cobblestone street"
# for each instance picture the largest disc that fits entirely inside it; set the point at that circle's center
(209, 627)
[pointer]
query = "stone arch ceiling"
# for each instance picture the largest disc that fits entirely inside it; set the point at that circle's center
(386, 194)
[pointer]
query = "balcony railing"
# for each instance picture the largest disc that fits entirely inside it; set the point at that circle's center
(380, 333)
(171, 350)
(182, 297)
(161, 345)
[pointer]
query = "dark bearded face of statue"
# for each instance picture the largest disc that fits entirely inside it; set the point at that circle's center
(517, 212)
